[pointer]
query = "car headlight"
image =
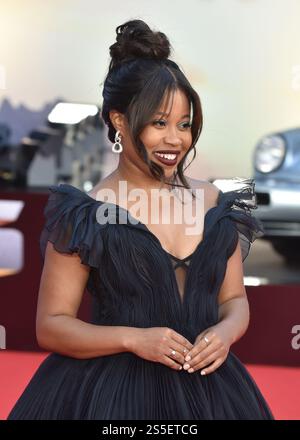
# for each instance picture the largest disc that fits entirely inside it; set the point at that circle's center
(269, 153)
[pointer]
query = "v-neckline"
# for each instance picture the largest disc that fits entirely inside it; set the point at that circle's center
(181, 299)
(167, 252)
(145, 227)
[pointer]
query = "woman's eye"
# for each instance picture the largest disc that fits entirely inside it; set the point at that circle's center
(185, 124)
(158, 122)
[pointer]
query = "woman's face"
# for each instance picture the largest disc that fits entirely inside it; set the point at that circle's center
(165, 134)
(167, 138)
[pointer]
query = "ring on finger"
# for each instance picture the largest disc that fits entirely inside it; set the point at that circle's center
(206, 340)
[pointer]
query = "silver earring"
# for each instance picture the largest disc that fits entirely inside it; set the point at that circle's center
(117, 146)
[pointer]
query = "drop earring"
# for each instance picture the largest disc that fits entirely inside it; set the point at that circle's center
(117, 146)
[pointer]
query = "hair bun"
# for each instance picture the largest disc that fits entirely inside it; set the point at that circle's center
(135, 39)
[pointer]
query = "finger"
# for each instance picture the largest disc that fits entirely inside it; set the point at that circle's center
(198, 348)
(186, 344)
(203, 356)
(206, 362)
(175, 351)
(207, 370)
(171, 363)
(202, 334)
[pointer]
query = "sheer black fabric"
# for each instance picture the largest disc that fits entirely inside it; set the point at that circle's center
(137, 283)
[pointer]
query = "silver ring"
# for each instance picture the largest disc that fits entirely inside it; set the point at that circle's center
(173, 352)
(206, 340)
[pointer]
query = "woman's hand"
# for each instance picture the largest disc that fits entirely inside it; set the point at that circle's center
(157, 344)
(210, 350)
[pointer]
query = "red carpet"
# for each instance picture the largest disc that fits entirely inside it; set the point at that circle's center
(279, 385)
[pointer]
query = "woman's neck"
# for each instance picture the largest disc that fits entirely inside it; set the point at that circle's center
(138, 179)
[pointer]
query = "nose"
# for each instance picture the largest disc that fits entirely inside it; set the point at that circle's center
(172, 137)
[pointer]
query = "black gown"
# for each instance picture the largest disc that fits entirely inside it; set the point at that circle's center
(135, 282)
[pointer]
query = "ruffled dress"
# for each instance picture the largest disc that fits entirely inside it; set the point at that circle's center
(134, 282)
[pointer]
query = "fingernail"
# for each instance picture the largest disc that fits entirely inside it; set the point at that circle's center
(188, 358)
(186, 366)
(203, 373)
(191, 370)
(180, 368)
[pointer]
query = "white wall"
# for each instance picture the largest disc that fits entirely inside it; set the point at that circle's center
(242, 56)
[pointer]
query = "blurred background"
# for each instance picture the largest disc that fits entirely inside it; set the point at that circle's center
(243, 58)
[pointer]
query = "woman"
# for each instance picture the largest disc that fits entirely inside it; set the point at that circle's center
(167, 305)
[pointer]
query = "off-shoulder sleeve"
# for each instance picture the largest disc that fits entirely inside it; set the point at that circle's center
(71, 224)
(239, 204)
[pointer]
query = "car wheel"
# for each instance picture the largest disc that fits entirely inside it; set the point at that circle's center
(289, 248)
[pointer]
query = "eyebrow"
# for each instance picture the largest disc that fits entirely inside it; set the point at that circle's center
(162, 113)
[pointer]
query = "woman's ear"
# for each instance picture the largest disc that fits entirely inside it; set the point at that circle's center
(117, 119)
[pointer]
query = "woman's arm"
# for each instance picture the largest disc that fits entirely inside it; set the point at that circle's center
(211, 347)
(58, 330)
(232, 299)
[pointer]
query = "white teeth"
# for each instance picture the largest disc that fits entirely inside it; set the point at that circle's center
(167, 156)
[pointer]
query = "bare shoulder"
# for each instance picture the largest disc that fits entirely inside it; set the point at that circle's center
(211, 191)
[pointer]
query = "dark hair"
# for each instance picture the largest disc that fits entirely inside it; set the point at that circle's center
(140, 75)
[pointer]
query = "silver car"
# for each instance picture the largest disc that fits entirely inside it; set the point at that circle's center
(277, 186)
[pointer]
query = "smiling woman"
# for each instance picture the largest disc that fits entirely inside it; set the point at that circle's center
(141, 84)
(158, 347)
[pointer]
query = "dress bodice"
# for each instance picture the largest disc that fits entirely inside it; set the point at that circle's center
(133, 279)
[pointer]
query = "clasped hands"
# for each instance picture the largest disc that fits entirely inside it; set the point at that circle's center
(210, 350)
